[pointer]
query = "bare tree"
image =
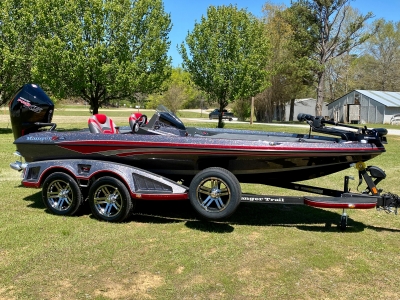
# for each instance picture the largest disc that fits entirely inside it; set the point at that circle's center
(335, 34)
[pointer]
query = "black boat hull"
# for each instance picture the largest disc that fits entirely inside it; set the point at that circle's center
(180, 158)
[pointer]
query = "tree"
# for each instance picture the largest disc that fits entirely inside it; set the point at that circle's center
(289, 62)
(102, 50)
(339, 76)
(383, 58)
(227, 55)
(16, 40)
(178, 93)
(327, 22)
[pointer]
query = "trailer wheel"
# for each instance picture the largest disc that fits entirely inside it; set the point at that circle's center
(215, 193)
(109, 199)
(61, 194)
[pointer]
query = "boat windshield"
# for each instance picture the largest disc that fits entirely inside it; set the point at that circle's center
(162, 109)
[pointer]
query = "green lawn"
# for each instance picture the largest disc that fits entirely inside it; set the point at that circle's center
(164, 252)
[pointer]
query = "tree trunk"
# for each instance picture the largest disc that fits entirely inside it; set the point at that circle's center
(94, 104)
(291, 113)
(221, 111)
(320, 94)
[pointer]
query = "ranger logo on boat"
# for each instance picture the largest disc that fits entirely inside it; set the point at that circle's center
(39, 138)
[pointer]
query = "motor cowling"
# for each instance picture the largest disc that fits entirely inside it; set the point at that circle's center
(30, 105)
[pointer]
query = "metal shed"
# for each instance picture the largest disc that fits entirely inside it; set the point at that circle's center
(365, 106)
(304, 106)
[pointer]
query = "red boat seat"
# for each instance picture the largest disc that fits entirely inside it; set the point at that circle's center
(100, 123)
(137, 120)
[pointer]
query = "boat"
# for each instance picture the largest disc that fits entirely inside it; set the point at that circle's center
(162, 159)
(165, 146)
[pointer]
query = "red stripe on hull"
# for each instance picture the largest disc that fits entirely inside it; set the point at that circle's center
(215, 150)
(104, 145)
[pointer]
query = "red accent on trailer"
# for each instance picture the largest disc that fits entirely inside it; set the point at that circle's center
(341, 202)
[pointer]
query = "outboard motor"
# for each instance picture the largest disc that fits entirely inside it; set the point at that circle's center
(30, 110)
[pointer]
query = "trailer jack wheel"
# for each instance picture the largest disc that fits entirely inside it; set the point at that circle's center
(343, 221)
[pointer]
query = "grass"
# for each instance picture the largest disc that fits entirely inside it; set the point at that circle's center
(164, 252)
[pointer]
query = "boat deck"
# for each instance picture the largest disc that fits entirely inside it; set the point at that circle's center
(251, 135)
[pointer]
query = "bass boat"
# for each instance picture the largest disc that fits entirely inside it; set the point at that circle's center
(165, 146)
(161, 159)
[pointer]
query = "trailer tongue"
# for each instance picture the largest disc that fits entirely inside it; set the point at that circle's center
(371, 197)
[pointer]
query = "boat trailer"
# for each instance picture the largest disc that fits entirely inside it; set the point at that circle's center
(371, 197)
(215, 193)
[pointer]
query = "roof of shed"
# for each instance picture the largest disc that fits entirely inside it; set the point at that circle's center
(391, 99)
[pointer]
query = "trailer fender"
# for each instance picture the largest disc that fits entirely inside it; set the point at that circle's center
(140, 183)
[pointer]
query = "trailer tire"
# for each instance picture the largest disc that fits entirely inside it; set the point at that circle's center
(109, 200)
(215, 193)
(61, 194)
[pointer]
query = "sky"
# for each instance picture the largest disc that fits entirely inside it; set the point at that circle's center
(184, 13)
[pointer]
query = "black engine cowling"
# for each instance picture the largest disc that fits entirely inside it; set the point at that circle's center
(30, 106)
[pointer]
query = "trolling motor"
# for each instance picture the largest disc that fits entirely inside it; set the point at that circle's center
(360, 134)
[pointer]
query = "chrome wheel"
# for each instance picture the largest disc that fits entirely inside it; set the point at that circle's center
(61, 194)
(215, 193)
(110, 200)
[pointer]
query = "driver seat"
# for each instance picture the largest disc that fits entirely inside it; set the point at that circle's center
(100, 123)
